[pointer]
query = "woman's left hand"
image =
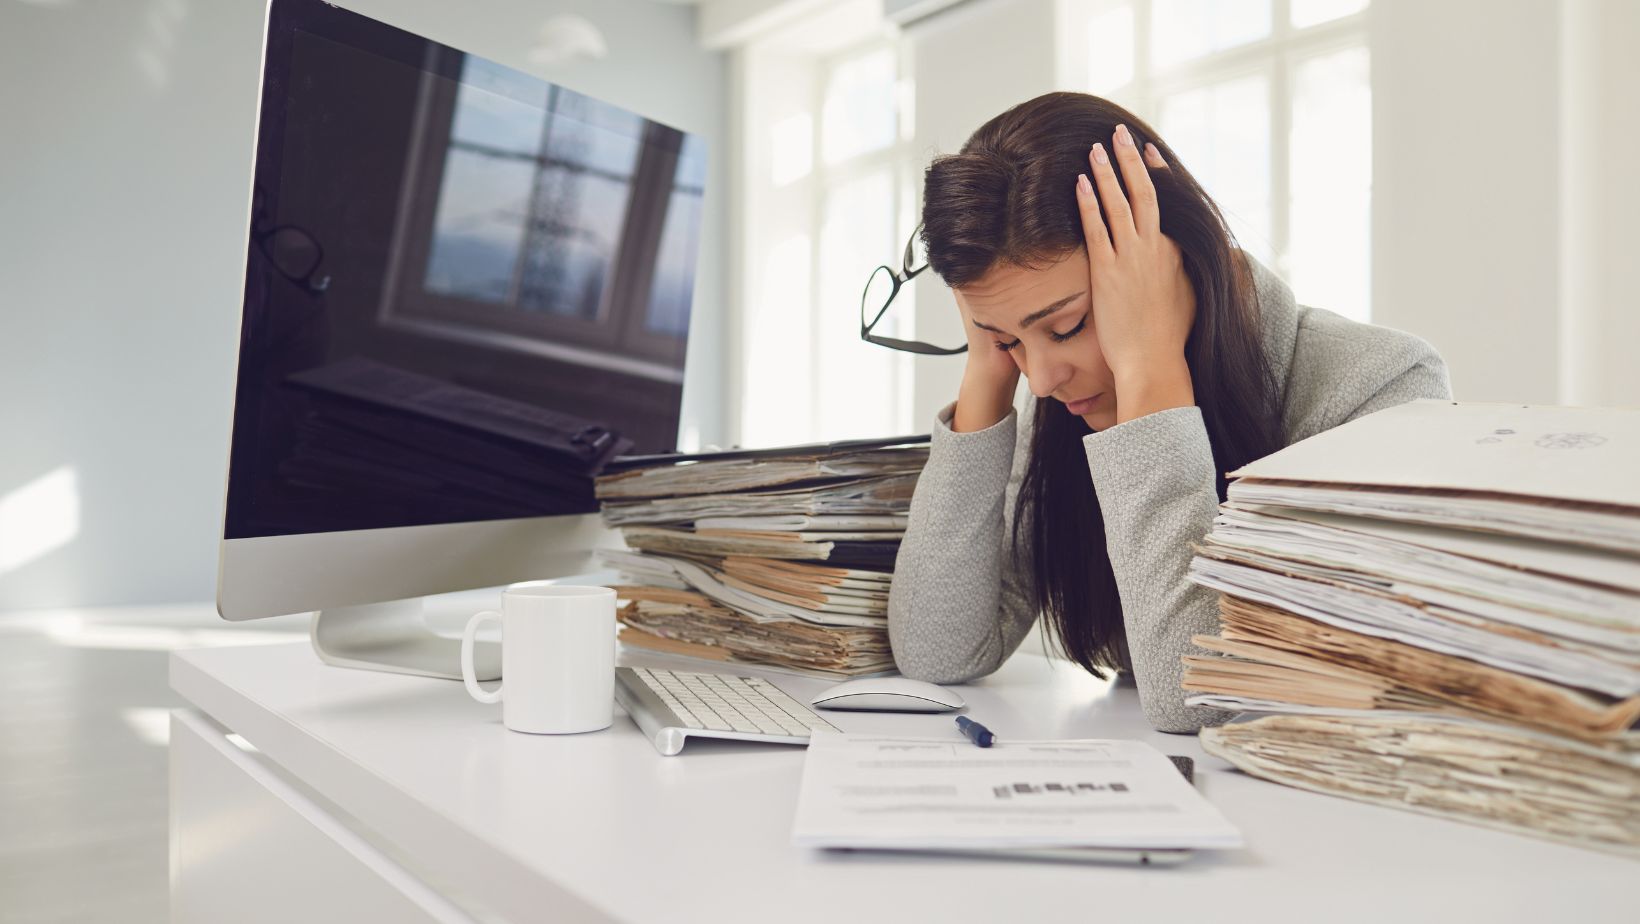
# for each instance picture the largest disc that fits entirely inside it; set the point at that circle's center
(1143, 303)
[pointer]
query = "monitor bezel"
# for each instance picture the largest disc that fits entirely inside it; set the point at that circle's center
(267, 576)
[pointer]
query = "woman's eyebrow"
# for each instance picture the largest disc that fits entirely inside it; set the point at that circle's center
(1035, 316)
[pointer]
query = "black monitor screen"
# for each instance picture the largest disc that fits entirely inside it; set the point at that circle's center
(467, 288)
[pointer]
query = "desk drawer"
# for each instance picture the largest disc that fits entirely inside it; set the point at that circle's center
(246, 846)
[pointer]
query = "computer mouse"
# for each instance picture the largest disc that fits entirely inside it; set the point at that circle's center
(888, 694)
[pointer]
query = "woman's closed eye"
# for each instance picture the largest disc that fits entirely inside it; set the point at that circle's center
(1057, 337)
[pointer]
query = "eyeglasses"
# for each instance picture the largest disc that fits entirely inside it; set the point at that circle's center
(291, 250)
(879, 293)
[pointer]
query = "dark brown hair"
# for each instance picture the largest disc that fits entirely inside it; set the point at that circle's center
(1008, 198)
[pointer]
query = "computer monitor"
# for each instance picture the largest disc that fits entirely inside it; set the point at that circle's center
(467, 289)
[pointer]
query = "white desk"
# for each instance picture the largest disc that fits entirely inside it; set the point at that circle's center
(388, 797)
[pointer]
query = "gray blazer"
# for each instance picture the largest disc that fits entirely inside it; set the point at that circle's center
(961, 600)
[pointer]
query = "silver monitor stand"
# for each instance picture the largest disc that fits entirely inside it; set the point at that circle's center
(322, 572)
(395, 637)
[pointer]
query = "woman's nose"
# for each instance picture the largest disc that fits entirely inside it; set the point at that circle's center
(1045, 374)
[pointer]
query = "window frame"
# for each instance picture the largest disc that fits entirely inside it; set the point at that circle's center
(1277, 57)
(898, 161)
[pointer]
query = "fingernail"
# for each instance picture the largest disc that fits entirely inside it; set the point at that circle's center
(1122, 136)
(1151, 148)
(1099, 154)
(1082, 184)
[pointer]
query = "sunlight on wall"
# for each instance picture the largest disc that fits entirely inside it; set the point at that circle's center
(155, 47)
(39, 518)
(777, 407)
(1110, 50)
(567, 38)
(791, 148)
(79, 634)
(152, 724)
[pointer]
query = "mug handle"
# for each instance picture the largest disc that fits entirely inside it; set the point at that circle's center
(469, 675)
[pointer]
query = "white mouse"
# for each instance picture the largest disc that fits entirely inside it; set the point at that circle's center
(888, 694)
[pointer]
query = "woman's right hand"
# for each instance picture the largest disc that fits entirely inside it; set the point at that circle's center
(988, 381)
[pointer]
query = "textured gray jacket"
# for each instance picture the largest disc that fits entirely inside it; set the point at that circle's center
(961, 600)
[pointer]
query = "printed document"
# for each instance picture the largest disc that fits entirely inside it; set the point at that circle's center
(930, 793)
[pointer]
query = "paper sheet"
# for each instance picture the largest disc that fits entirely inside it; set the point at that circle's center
(829, 524)
(930, 793)
(1594, 566)
(869, 496)
(1361, 545)
(1610, 527)
(1568, 453)
(1624, 750)
(1389, 617)
(665, 479)
(1494, 776)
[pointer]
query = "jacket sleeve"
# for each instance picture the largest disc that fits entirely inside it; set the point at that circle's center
(1154, 477)
(959, 604)
(1426, 379)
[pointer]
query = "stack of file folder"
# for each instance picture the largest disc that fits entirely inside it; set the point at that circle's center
(779, 558)
(1437, 607)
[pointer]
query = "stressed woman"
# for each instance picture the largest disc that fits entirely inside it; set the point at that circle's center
(1084, 257)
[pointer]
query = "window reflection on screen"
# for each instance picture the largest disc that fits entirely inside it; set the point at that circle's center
(669, 299)
(479, 228)
(578, 204)
(533, 197)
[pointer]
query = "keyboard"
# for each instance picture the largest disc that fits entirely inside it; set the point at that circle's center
(671, 706)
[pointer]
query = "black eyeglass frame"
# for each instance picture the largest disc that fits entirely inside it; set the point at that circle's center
(905, 275)
(263, 230)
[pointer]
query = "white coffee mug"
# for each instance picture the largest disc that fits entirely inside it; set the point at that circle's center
(557, 658)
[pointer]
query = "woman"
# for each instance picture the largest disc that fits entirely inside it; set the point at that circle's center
(1160, 357)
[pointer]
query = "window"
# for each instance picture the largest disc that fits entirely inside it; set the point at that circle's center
(834, 199)
(1269, 102)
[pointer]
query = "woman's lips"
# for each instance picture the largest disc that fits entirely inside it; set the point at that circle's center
(1082, 405)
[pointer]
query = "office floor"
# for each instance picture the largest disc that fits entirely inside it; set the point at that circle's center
(83, 729)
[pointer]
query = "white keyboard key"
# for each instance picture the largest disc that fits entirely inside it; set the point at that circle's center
(706, 703)
(686, 716)
(767, 725)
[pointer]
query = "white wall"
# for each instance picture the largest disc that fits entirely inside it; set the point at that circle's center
(1600, 202)
(125, 159)
(1504, 193)
(1466, 167)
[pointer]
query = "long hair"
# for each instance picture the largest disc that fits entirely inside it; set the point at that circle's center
(1008, 198)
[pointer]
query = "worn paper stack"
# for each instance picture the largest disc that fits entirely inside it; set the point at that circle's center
(1438, 608)
(782, 559)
